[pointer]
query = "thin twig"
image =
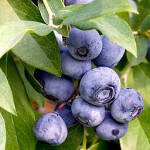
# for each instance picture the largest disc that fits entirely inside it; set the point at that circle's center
(51, 15)
(84, 140)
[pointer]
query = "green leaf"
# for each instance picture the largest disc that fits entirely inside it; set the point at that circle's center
(135, 138)
(142, 47)
(64, 31)
(40, 52)
(12, 32)
(144, 11)
(55, 6)
(32, 93)
(97, 8)
(25, 10)
(17, 10)
(145, 25)
(2, 133)
(6, 97)
(114, 28)
(138, 135)
(99, 146)
(94, 142)
(146, 69)
(43, 11)
(5, 12)
(125, 16)
(33, 42)
(35, 84)
(74, 139)
(19, 129)
(92, 137)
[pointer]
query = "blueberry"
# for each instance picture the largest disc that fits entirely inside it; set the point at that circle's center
(65, 112)
(87, 114)
(72, 67)
(40, 76)
(127, 106)
(110, 55)
(51, 128)
(110, 129)
(148, 52)
(55, 88)
(71, 2)
(84, 44)
(100, 86)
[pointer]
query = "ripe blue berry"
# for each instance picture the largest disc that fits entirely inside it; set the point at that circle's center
(51, 128)
(55, 88)
(65, 112)
(110, 129)
(127, 106)
(100, 86)
(87, 114)
(72, 67)
(110, 55)
(84, 45)
(71, 2)
(40, 76)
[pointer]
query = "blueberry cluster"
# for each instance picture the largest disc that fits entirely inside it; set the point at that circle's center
(98, 101)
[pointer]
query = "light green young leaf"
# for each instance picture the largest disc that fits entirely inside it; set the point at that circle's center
(114, 28)
(6, 12)
(97, 8)
(6, 97)
(19, 129)
(12, 32)
(138, 136)
(2, 133)
(142, 46)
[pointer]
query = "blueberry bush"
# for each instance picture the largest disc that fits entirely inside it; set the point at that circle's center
(74, 74)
